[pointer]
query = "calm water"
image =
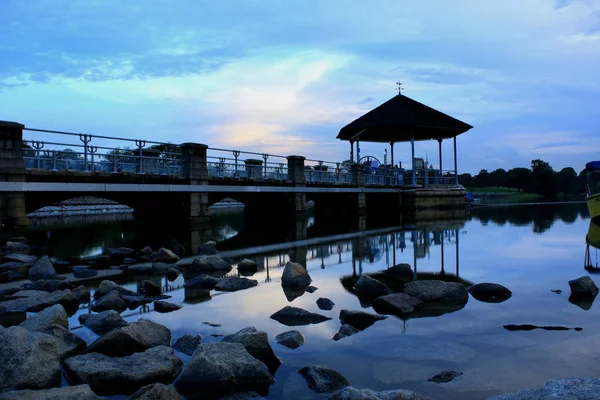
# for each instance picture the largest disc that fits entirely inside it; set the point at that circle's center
(529, 249)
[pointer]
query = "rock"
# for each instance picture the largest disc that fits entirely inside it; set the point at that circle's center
(233, 284)
(111, 301)
(557, 291)
(46, 318)
(80, 392)
(119, 251)
(527, 327)
(202, 282)
(222, 368)
(345, 331)
(133, 338)
(83, 317)
(187, 344)
(16, 248)
(172, 274)
(311, 289)
(134, 302)
(15, 265)
(295, 275)
(437, 291)
(444, 376)
(123, 375)
(100, 259)
(156, 391)
(247, 265)
(402, 272)
(325, 304)
(42, 269)
(351, 393)
(82, 271)
(359, 319)
(82, 294)
(208, 248)
(165, 307)
(69, 344)
(292, 293)
(29, 293)
(104, 322)
(294, 316)
(211, 263)
(141, 269)
(563, 389)
(177, 248)
(30, 360)
(323, 379)
(109, 286)
(583, 286)
(370, 287)
(396, 303)
(48, 285)
(146, 252)
(129, 260)
(151, 289)
(490, 292)
(164, 255)
(290, 339)
(583, 302)
(39, 302)
(22, 258)
(9, 276)
(257, 344)
(161, 267)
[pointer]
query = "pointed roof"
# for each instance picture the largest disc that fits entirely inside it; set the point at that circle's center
(401, 117)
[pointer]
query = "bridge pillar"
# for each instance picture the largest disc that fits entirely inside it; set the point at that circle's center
(12, 169)
(298, 179)
(358, 178)
(195, 169)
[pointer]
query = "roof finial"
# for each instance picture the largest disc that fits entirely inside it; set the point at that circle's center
(400, 88)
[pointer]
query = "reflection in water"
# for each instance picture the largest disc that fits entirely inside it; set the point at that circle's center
(592, 244)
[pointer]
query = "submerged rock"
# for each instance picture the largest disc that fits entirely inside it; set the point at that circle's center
(563, 389)
(187, 344)
(490, 292)
(444, 376)
(135, 337)
(352, 393)
(345, 331)
(205, 282)
(583, 286)
(290, 339)
(323, 379)
(42, 269)
(156, 391)
(257, 344)
(370, 287)
(165, 307)
(396, 303)
(295, 275)
(325, 304)
(104, 322)
(294, 316)
(80, 392)
(111, 376)
(211, 263)
(233, 284)
(437, 291)
(218, 369)
(359, 319)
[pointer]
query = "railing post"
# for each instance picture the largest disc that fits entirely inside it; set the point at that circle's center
(12, 169)
(140, 144)
(236, 154)
(93, 150)
(37, 145)
(86, 139)
(265, 157)
(54, 159)
(414, 173)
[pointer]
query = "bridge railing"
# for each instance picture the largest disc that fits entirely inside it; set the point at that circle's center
(224, 163)
(319, 171)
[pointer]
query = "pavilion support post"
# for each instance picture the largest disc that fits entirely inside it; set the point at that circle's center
(358, 150)
(352, 151)
(392, 153)
(441, 174)
(455, 164)
(414, 173)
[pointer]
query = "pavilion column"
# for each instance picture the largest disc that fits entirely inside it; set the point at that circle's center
(352, 151)
(455, 164)
(392, 153)
(414, 173)
(440, 154)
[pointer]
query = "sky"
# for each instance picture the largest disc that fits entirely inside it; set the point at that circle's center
(285, 76)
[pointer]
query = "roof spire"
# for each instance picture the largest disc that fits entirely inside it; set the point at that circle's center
(400, 88)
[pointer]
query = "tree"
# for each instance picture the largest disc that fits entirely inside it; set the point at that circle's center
(518, 178)
(499, 177)
(466, 180)
(543, 179)
(569, 182)
(482, 179)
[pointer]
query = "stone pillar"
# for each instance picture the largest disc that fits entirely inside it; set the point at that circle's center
(358, 176)
(195, 170)
(12, 169)
(296, 170)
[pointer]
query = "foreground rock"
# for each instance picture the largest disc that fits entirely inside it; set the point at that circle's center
(437, 291)
(42, 269)
(295, 275)
(164, 255)
(490, 292)
(396, 303)
(444, 376)
(30, 360)
(40, 302)
(294, 316)
(55, 315)
(82, 294)
(583, 286)
(156, 391)
(204, 282)
(257, 344)
(345, 331)
(187, 344)
(111, 301)
(323, 379)
(135, 337)
(359, 319)
(219, 369)
(111, 376)
(370, 287)
(290, 339)
(351, 393)
(108, 286)
(563, 389)
(212, 263)
(81, 392)
(165, 307)
(233, 284)
(104, 322)
(68, 343)
(22, 258)
(325, 304)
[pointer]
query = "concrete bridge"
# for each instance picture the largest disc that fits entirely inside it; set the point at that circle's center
(40, 167)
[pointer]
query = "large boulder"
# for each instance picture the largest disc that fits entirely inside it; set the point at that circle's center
(41, 301)
(370, 287)
(290, 339)
(30, 360)
(234, 283)
(68, 343)
(563, 389)
(133, 338)
(490, 292)
(295, 275)
(165, 307)
(204, 282)
(396, 303)
(123, 375)
(104, 322)
(211, 263)
(55, 315)
(165, 255)
(187, 344)
(42, 269)
(257, 344)
(583, 286)
(294, 316)
(156, 391)
(359, 319)
(80, 392)
(218, 369)
(352, 393)
(345, 331)
(48, 285)
(110, 301)
(323, 379)
(437, 291)
(108, 286)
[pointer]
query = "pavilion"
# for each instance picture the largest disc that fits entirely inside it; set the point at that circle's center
(402, 119)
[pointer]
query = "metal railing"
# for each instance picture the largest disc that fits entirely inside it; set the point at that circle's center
(238, 164)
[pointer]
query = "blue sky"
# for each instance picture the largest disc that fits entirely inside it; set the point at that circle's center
(285, 76)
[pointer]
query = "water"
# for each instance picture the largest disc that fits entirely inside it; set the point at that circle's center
(529, 249)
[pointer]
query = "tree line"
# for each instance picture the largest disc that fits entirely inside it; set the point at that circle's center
(540, 178)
